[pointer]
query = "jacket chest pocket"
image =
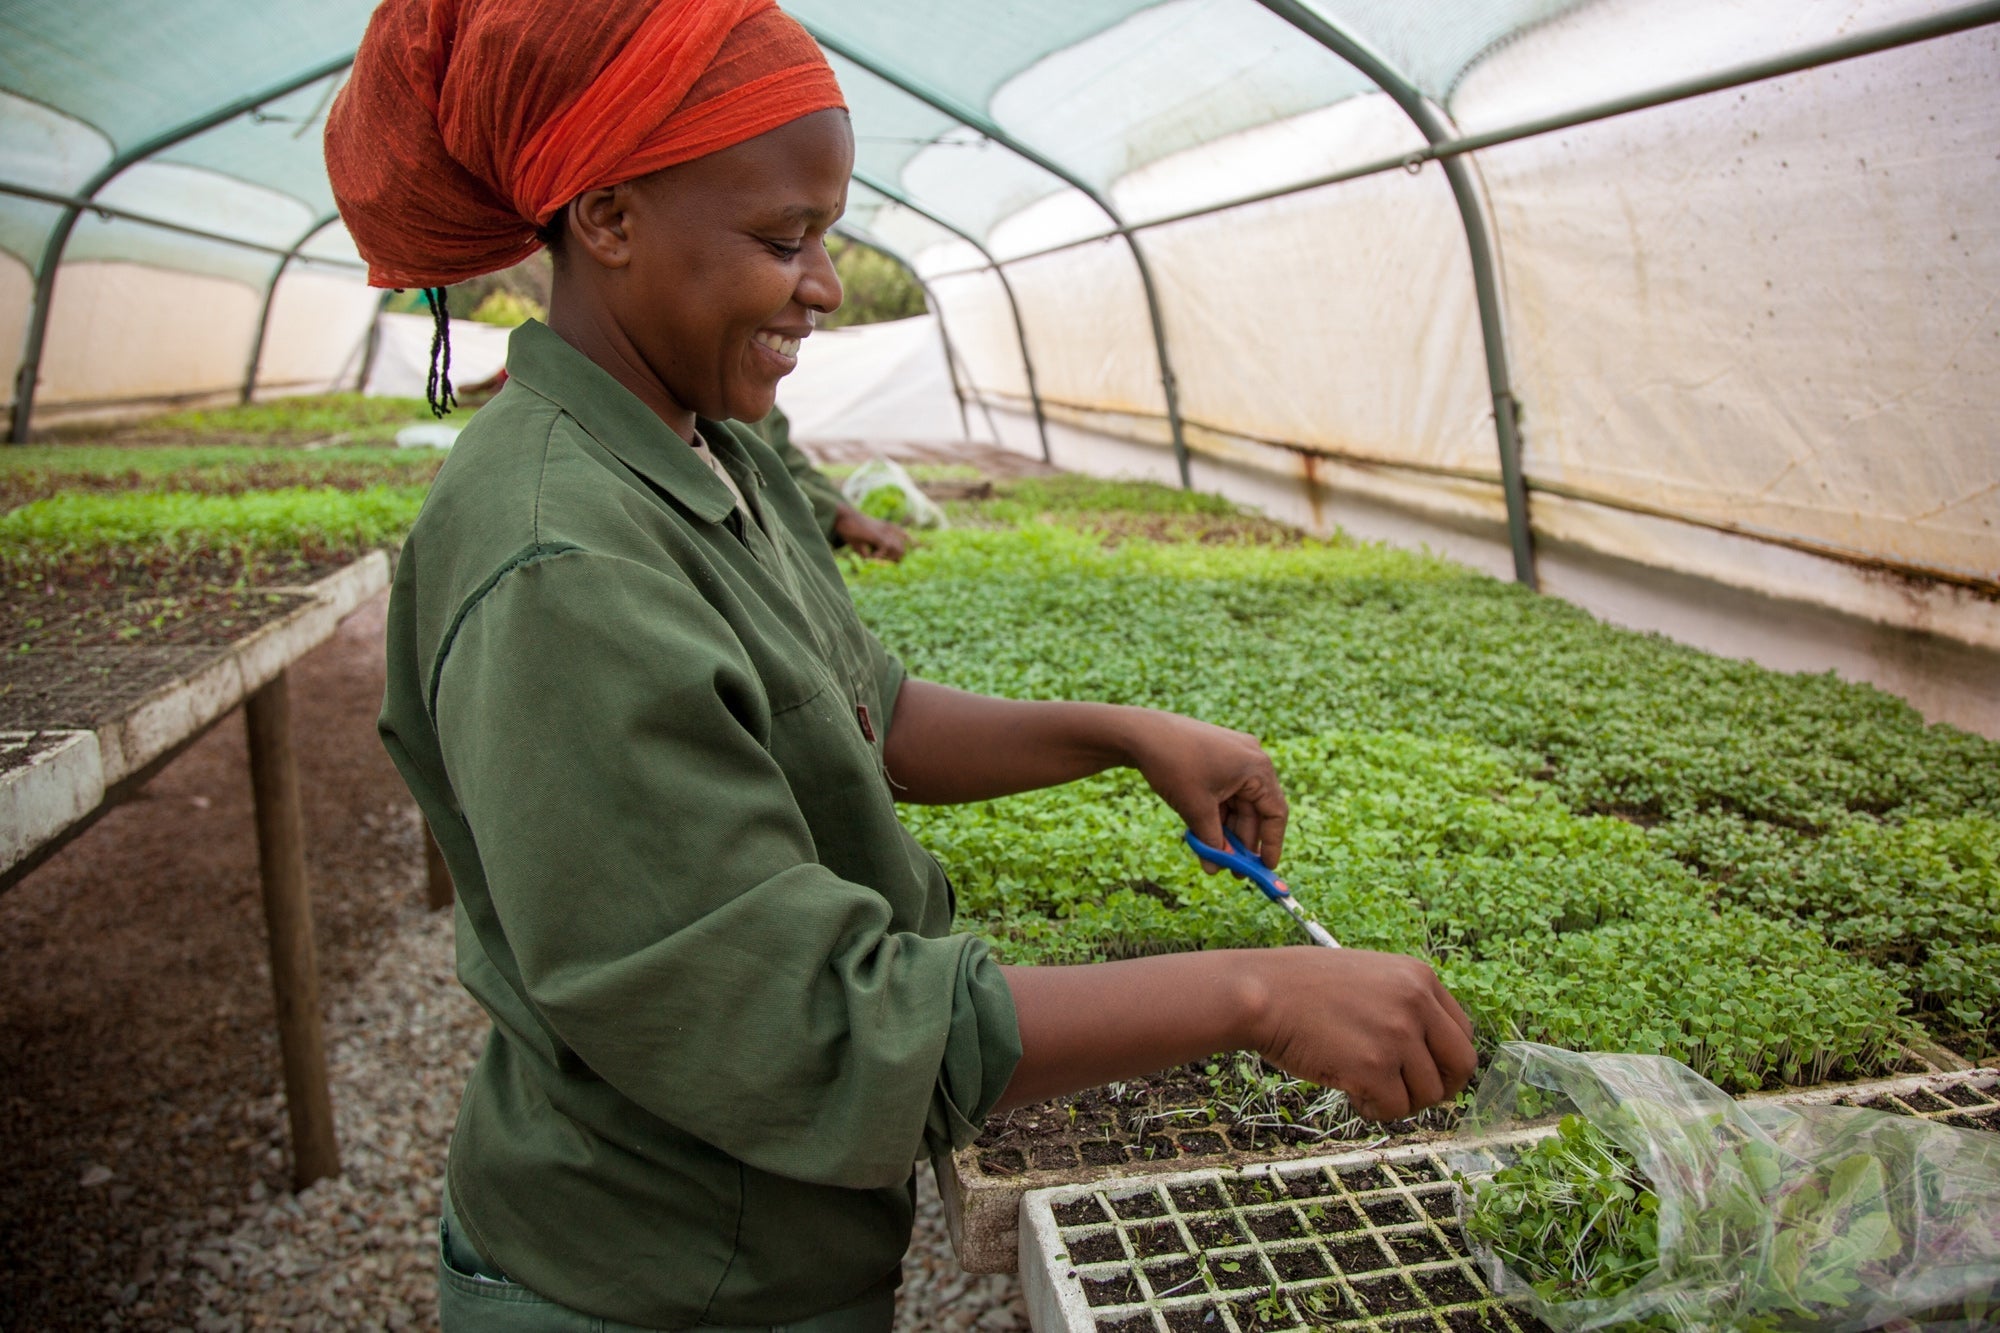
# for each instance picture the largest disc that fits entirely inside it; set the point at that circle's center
(825, 626)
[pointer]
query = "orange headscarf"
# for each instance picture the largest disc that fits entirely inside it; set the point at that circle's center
(468, 123)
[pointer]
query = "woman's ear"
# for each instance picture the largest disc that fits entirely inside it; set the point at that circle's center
(599, 225)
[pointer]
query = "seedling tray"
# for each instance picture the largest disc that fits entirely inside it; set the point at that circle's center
(80, 655)
(82, 727)
(1364, 1240)
(1092, 1136)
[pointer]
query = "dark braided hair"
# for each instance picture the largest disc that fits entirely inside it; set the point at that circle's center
(437, 389)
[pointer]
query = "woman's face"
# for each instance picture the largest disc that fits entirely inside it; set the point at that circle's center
(724, 264)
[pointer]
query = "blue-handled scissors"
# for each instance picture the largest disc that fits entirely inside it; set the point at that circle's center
(1240, 861)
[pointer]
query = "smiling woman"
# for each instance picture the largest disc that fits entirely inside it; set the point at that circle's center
(732, 247)
(661, 753)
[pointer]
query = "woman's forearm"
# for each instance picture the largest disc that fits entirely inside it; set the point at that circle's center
(1095, 1023)
(947, 746)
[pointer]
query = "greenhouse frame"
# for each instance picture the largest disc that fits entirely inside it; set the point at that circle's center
(1578, 291)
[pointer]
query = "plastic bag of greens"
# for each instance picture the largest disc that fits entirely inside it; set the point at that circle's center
(881, 489)
(1659, 1202)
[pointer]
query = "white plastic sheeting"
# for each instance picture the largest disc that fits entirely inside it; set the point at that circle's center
(401, 364)
(317, 333)
(134, 333)
(878, 382)
(1773, 309)
(1769, 313)
(97, 353)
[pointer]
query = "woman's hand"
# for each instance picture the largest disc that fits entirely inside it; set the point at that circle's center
(1212, 778)
(1379, 1026)
(868, 537)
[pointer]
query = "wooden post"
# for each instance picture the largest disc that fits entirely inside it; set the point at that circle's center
(281, 863)
(438, 888)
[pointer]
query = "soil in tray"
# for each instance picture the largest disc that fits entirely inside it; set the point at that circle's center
(1136, 1323)
(1195, 1319)
(1118, 1289)
(1448, 1286)
(1080, 1213)
(1173, 1117)
(1214, 1231)
(1359, 1255)
(1237, 1273)
(1417, 1247)
(1389, 1294)
(1333, 1218)
(1097, 1248)
(1389, 1212)
(1971, 1105)
(154, 598)
(18, 749)
(1275, 1224)
(1160, 1238)
(1146, 1203)
(1486, 1321)
(1298, 1265)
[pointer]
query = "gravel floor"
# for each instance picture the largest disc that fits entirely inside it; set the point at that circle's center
(357, 1252)
(142, 1138)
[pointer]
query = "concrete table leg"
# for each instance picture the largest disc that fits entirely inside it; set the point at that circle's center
(281, 863)
(438, 888)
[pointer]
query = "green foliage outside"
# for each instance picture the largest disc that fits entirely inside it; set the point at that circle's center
(874, 287)
(1479, 774)
(522, 291)
(505, 309)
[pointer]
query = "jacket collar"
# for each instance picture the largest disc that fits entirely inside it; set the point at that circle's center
(613, 416)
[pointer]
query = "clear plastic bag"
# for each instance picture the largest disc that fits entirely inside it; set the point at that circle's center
(1765, 1217)
(880, 488)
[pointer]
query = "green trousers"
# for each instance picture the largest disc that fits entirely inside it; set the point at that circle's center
(473, 1297)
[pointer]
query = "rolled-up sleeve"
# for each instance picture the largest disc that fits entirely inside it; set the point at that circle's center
(655, 881)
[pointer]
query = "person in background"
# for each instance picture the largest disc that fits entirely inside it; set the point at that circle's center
(661, 753)
(843, 524)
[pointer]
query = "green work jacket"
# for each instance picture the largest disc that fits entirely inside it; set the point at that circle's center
(728, 1014)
